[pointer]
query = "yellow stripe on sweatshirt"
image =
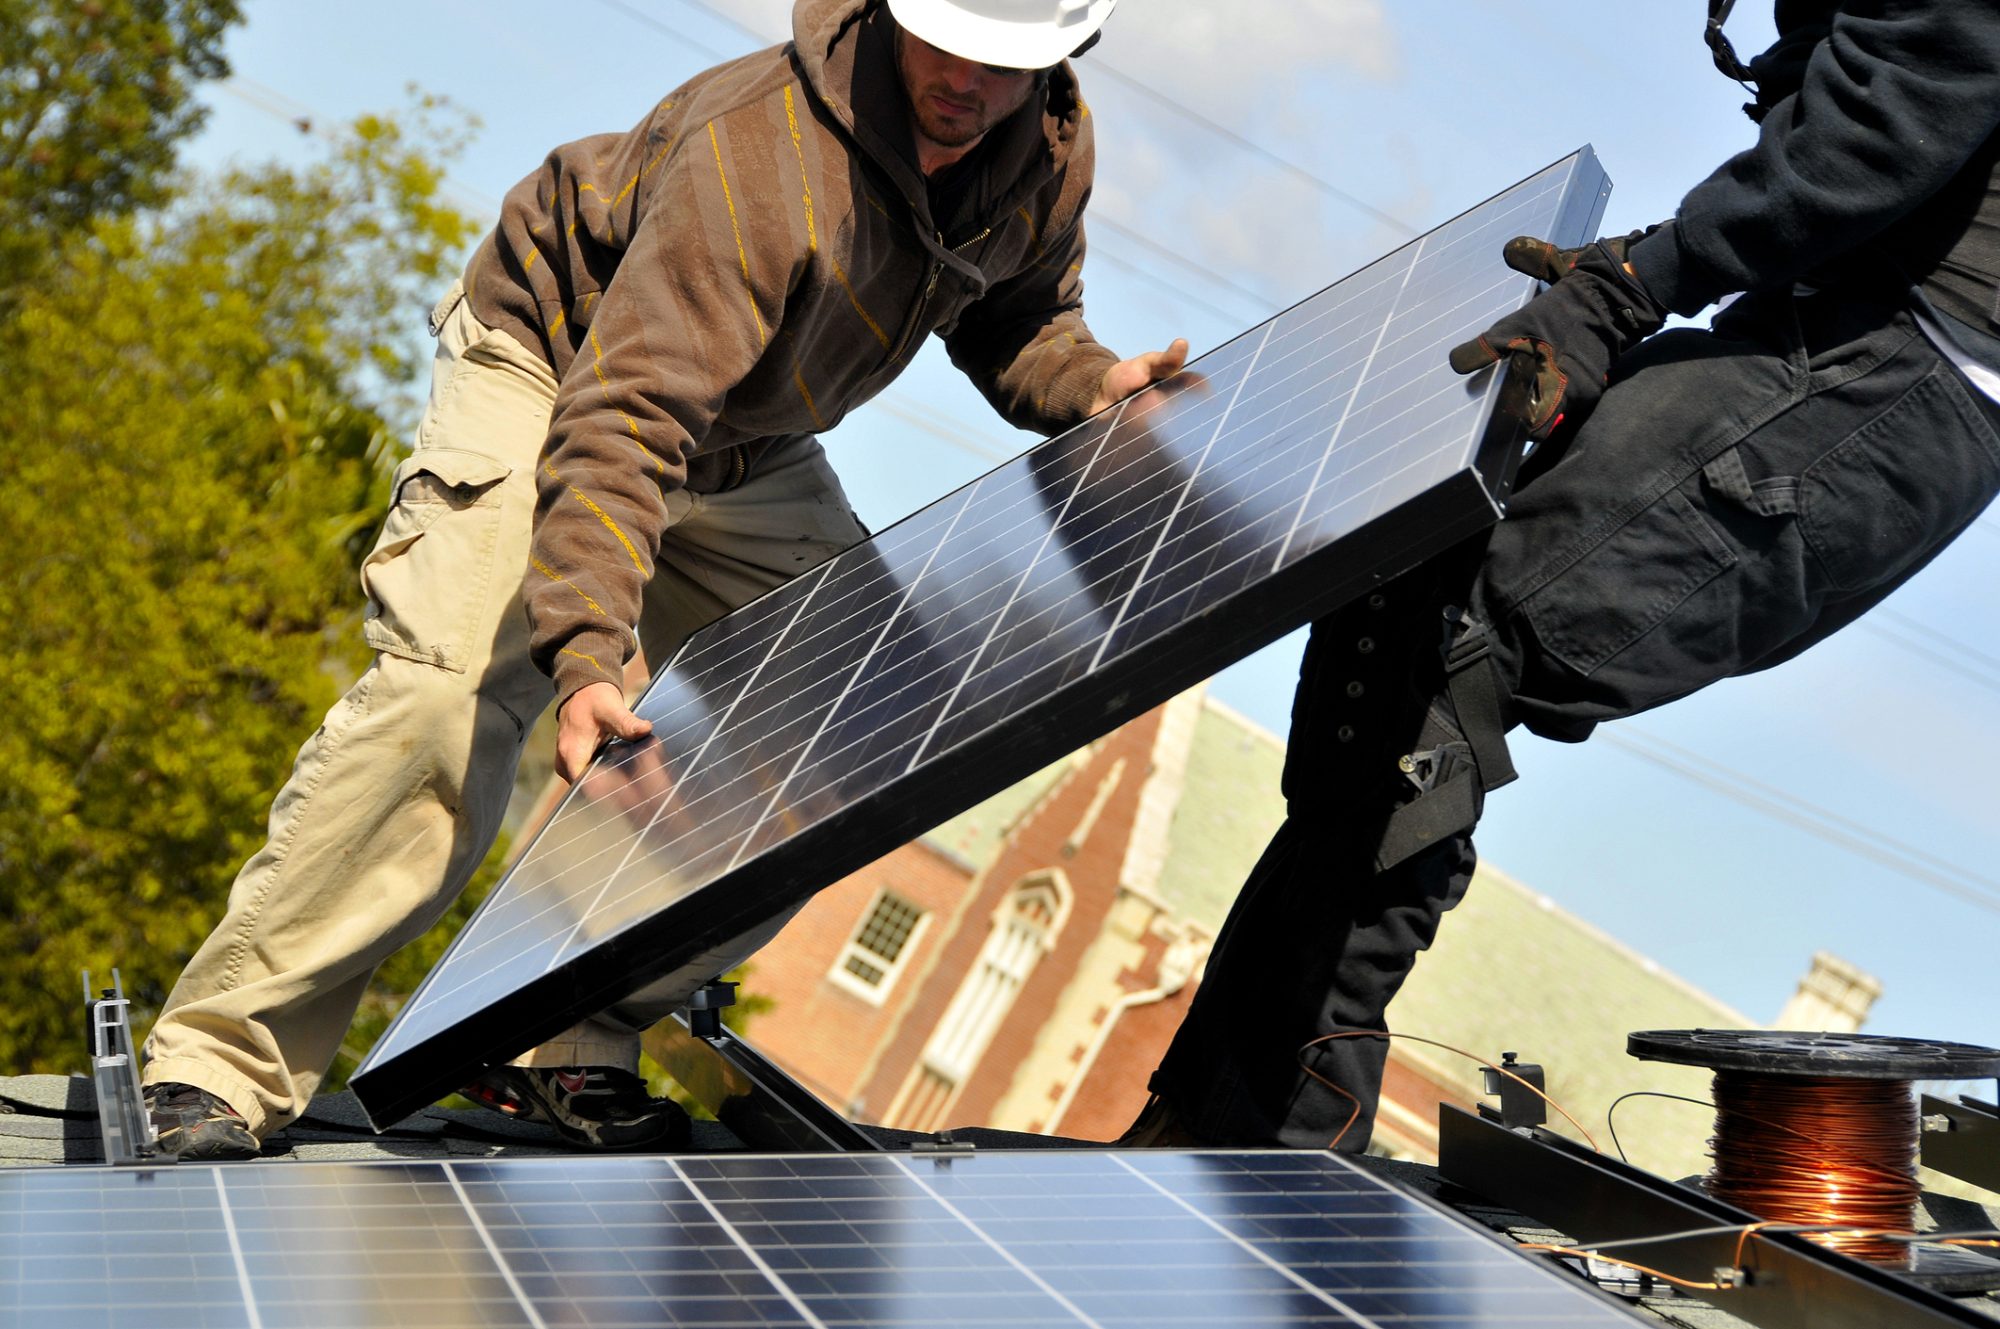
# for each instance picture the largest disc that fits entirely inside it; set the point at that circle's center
(604, 386)
(805, 184)
(603, 516)
(743, 258)
(553, 575)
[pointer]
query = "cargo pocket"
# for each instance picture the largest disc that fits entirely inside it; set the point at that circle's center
(1629, 584)
(1886, 496)
(427, 577)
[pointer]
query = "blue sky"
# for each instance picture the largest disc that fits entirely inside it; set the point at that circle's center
(1371, 120)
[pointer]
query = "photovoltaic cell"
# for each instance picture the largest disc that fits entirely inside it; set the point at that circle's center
(1012, 621)
(995, 1241)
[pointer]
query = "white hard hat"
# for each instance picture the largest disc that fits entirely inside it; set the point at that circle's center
(1020, 34)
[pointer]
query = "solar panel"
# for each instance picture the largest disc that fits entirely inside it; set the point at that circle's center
(1068, 590)
(1010, 1239)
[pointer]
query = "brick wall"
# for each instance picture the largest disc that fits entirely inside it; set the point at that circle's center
(1114, 773)
(824, 1034)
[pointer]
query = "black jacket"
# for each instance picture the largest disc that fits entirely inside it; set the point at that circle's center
(1879, 140)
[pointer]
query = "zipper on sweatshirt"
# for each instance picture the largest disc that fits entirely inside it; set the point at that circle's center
(916, 318)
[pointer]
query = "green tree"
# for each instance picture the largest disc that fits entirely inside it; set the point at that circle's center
(94, 97)
(202, 403)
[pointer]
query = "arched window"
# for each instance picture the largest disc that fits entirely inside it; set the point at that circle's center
(1024, 928)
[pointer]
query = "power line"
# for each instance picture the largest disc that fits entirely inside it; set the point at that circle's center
(1228, 135)
(1232, 317)
(1118, 76)
(913, 412)
(641, 16)
(301, 117)
(1148, 275)
(1820, 823)
(1131, 235)
(1968, 662)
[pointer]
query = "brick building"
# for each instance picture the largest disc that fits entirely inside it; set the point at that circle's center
(1025, 965)
(976, 975)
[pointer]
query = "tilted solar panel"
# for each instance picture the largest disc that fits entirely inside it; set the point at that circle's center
(1014, 620)
(1042, 1237)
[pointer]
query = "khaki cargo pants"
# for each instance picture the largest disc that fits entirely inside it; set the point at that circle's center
(396, 798)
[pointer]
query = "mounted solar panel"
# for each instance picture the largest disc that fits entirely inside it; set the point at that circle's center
(812, 731)
(1033, 1238)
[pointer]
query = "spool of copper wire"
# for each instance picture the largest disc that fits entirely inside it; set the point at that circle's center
(1819, 1129)
(1820, 1151)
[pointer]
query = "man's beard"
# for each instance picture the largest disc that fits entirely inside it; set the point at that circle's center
(955, 131)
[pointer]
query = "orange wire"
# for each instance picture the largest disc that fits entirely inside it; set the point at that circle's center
(1628, 1264)
(1355, 1115)
(1743, 1236)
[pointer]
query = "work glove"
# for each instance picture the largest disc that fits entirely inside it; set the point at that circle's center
(1561, 344)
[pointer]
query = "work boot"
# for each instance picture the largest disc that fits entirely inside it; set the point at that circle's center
(596, 1107)
(197, 1127)
(1159, 1126)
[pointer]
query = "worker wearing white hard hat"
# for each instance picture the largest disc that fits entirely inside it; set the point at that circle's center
(1010, 34)
(651, 339)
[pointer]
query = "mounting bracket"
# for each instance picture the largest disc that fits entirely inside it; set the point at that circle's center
(124, 1127)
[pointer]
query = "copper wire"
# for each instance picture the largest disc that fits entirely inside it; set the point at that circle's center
(1385, 1035)
(1820, 1151)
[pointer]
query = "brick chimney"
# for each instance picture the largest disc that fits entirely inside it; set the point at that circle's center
(1833, 998)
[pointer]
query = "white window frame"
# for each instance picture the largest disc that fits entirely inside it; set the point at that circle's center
(1015, 945)
(877, 992)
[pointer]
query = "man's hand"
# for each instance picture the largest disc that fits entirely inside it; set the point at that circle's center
(1562, 344)
(592, 714)
(1141, 371)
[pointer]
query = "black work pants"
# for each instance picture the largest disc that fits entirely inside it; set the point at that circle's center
(1739, 494)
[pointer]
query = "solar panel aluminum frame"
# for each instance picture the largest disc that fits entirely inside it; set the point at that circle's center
(397, 1079)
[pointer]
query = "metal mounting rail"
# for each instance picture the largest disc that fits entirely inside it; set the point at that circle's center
(1966, 1143)
(766, 1108)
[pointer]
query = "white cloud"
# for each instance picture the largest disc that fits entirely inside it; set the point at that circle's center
(1241, 62)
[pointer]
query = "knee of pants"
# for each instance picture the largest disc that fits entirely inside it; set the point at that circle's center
(433, 727)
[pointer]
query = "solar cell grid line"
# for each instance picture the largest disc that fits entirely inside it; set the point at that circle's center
(990, 1241)
(95, 1247)
(873, 1240)
(1291, 1274)
(1002, 1251)
(355, 1246)
(1382, 1250)
(983, 636)
(750, 1252)
(615, 1243)
(236, 1254)
(814, 583)
(492, 1248)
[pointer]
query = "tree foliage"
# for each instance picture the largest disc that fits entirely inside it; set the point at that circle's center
(202, 402)
(94, 97)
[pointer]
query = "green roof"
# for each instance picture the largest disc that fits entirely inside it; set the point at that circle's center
(973, 837)
(1229, 807)
(1512, 972)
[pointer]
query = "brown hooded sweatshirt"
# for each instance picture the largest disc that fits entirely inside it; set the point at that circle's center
(756, 258)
